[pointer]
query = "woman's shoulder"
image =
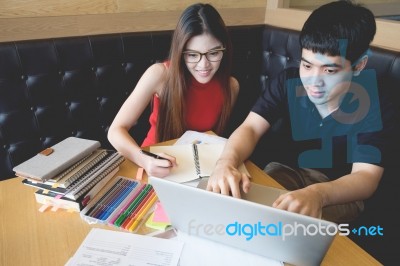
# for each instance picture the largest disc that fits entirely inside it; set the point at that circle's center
(234, 84)
(154, 78)
(158, 69)
(157, 73)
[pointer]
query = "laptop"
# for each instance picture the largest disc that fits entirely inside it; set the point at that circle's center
(253, 226)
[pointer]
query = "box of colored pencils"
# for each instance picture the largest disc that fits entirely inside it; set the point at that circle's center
(124, 203)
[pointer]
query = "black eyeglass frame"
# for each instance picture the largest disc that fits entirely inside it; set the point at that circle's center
(205, 54)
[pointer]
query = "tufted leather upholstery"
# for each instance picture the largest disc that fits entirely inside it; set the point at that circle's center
(51, 89)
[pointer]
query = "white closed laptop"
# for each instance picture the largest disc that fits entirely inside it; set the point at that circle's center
(251, 226)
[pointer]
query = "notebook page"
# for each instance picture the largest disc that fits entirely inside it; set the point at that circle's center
(208, 157)
(186, 170)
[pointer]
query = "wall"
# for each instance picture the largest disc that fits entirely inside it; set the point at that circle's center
(39, 19)
(386, 36)
(43, 8)
(378, 7)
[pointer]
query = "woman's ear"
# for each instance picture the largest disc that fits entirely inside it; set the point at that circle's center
(361, 63)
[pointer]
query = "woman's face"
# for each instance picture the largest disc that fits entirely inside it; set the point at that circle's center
(196, 48)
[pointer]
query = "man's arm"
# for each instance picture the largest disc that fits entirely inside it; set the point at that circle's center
(360, 184)
(226, 177)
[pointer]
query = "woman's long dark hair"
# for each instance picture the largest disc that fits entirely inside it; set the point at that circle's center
(195, 20)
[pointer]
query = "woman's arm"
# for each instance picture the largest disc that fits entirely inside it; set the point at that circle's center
(234, 84)
(150, 84)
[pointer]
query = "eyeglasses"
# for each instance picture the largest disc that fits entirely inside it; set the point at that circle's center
(213, 55)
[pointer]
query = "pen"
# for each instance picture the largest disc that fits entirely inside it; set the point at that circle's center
(153, 155)
(132, 226)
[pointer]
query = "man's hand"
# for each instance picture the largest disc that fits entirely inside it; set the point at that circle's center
(226, 179)
(304, 201)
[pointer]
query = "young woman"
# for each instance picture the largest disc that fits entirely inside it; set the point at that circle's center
(192, 90)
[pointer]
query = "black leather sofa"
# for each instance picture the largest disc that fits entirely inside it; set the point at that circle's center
(54, 88)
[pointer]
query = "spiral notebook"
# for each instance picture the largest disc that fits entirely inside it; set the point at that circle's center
(87, 169)
(84, 190)
(50, 198)
(70, 175)
(94, 176)
(195, 161)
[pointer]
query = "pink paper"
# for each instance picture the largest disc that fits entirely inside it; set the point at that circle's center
(159, 214)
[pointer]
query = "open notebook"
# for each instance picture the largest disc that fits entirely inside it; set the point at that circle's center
(194, 160)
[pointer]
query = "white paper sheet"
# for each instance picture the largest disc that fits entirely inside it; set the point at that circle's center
(105, 247)
(190, 137)
(199, 251)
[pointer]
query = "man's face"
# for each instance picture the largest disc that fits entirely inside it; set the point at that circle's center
(325, 79)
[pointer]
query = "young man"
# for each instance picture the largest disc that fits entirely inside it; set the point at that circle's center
(337, 134)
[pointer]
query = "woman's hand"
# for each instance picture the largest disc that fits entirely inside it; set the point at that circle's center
(159, 167)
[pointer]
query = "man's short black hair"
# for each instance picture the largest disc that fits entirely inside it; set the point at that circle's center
(339, 28)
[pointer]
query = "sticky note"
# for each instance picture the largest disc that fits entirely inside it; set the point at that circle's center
(139, 173)
(159, 214)
(156, 225)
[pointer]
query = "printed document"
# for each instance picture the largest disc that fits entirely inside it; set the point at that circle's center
(217, 254)
(106, 247)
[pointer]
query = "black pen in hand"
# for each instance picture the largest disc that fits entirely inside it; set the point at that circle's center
(155, 156)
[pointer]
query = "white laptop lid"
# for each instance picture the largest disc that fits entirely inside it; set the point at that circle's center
(250, 226)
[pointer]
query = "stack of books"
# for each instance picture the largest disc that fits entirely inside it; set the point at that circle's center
(70, 173)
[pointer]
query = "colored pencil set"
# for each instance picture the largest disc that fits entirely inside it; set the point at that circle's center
(124, 204)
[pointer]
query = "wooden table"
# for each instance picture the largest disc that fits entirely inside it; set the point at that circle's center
(29, 237)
